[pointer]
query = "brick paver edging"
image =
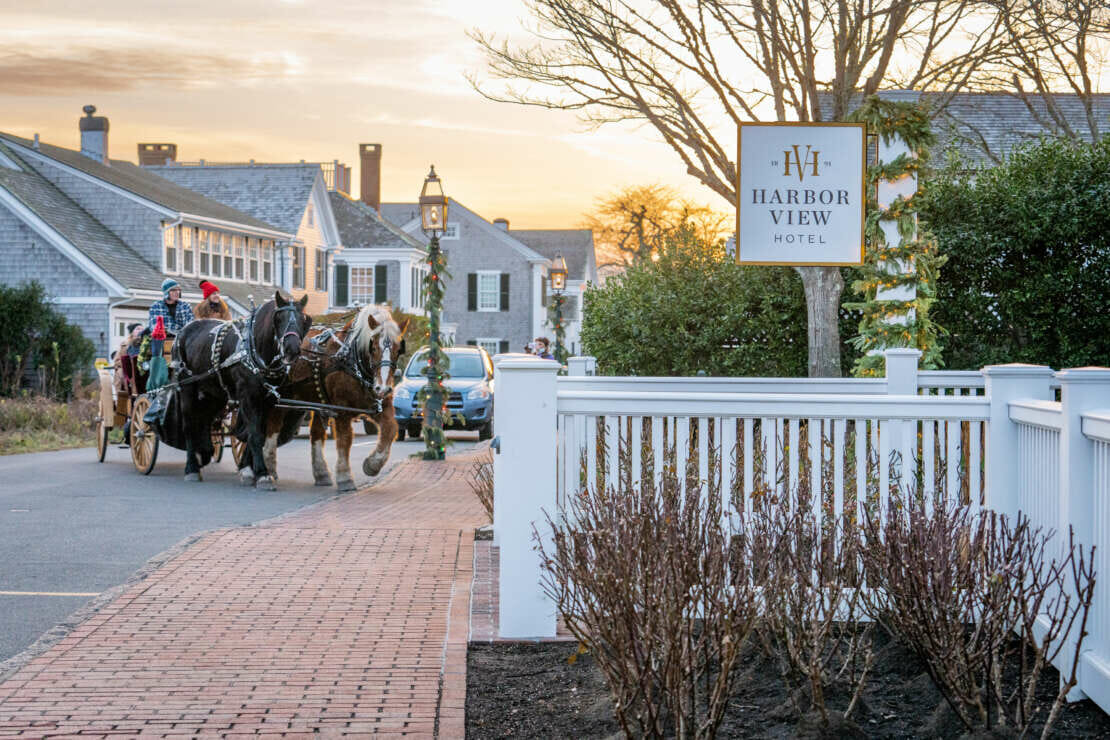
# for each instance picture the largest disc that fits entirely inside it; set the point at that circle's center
(349, 617)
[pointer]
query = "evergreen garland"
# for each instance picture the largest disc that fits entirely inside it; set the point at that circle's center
(559, 323)
(879, 327)
(433, 396)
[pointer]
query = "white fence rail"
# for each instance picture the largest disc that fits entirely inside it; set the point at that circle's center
(995, 438)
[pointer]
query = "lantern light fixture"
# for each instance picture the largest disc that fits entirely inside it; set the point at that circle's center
(433, 204)
(558, 274)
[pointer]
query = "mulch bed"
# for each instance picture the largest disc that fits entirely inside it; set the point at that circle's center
(526, 690)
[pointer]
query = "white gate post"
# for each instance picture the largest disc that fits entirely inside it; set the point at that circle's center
(581, 366)
(1003, 384)
(524, 490)
(1081, 390)
(901, 380)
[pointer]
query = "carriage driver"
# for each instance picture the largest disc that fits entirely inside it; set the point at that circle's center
(175, 312)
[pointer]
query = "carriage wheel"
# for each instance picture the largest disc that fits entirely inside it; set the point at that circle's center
(238, 446)
(144, 442)
(101, 439)
(217, 443)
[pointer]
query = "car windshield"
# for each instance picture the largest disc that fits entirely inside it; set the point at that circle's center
(463, 365)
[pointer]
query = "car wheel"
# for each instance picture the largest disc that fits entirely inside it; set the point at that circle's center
(485, 431)
(400, 433)
(369, 427)
(414, 430)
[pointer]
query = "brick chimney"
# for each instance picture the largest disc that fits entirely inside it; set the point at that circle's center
(157, 154)
(501, 223)
(370, 159)
(94, 135)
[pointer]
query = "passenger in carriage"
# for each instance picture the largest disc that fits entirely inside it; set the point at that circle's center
(175, 312)
(129, 347)
(212, 306)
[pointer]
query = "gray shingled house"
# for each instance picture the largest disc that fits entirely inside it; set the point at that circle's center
(292, 197)
(984, 127)
(101, 235)
(380, 262)
(497, 295)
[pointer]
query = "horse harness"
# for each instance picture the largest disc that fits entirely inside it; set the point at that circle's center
(348, 361)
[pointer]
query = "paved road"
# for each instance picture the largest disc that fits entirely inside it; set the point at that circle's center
(71, 528)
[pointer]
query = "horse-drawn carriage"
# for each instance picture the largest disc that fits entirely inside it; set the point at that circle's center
(124, 404)
(250, 382)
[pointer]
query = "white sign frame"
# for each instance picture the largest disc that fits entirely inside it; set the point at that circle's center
(845, 252)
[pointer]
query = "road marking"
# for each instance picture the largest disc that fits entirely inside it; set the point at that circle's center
(49, 593)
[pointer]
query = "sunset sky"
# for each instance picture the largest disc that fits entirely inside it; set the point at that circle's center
(291, 80)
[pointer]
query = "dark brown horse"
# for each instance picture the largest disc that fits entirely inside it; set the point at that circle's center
(240, 361)
(352, 368)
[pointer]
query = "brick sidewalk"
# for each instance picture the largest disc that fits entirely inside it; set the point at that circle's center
(346, 618)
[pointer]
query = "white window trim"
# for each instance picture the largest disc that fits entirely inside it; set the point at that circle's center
(497, 292)
(451, 233)
(351, 298)
(172, 232)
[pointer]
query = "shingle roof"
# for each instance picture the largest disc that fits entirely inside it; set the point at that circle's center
(275, 193)
(575, 245)
(77, 226)
(400, 213)
(976, 123)
(145, 184)
(361, 227)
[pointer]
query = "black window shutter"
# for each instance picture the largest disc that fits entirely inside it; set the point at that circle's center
(472, 291)
(381, 273)
(543, 292)
(472, 342)
(503, 347)
(504, 291)
(341, 273)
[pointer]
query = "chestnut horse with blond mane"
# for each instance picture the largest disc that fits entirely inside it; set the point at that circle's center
(350, 370)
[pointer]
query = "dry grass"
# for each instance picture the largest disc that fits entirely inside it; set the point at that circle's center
(36, 424)
(481, 481)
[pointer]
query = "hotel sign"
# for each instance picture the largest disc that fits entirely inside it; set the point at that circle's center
(800, 193)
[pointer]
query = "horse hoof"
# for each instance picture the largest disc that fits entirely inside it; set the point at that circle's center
(265, 483)
(345, 485)
(373, 465)
(193, 478)
(324, 481)
(246, 477)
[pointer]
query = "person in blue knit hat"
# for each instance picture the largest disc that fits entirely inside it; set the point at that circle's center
(175, 312)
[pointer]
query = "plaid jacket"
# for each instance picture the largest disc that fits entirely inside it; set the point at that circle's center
(174, 320)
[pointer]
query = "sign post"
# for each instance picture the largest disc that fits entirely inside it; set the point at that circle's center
(801, 193)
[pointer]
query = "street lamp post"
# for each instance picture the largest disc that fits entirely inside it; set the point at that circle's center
(433, 219)
(558, 276)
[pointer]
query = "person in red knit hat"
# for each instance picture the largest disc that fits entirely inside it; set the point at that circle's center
(212, 306)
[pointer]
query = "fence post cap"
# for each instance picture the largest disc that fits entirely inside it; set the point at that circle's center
(1018, 369)
(1084, 375)
(524, 363)
(902, 352)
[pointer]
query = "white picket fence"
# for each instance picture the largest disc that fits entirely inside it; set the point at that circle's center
(993, 438)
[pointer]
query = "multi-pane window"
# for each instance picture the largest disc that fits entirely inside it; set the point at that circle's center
(489, 291)
(215, 260)
(205, 267)
(298, 268)
(361, 285)
(493, 346)
(416, 279)
(252, 251)
(225, 240)
(451, 231)
(169, 248)
(321, 281)
(187, 236)
(311, 216)
(268, 262)
(240, 256)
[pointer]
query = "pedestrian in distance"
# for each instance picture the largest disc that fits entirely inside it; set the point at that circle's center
(542, 348)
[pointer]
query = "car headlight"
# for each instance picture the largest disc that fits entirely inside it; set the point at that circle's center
(400, 393)
(478, 393)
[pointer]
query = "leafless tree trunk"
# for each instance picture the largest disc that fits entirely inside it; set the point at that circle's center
(695, 69)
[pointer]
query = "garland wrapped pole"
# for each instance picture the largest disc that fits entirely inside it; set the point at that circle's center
(560, 326)
(901, 265)
(434, 395)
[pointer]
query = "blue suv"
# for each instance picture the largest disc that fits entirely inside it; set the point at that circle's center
(469, 383)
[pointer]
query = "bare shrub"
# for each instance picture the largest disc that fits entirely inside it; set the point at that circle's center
(640, 574)
(481, 481)
(811, 601)
(964, 590)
